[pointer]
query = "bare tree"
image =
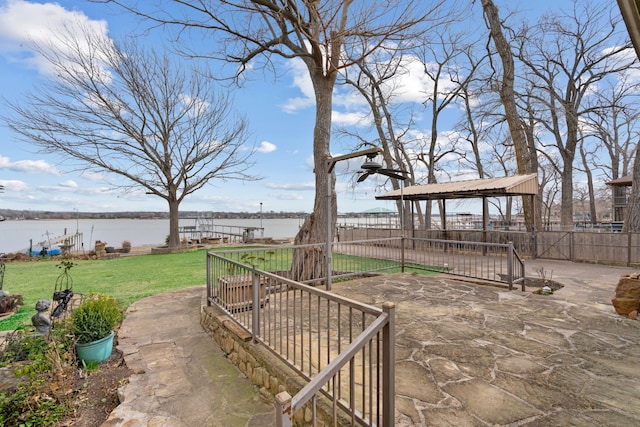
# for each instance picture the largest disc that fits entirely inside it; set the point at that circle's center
(589, 192)
(445, 65)
(508, 98)
(485, 125)
(326, 36)
(503, 163)
(549, 178)
(374, 80)
(472, 127)
(629, 10)
(632, 221)
(612, 125)
(135, 114)
(566, 56)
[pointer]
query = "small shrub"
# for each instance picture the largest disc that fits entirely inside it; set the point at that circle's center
(95, 318)
(19, 346)
(47, 363)
(30, 405)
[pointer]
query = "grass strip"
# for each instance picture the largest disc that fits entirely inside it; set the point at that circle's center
(129, 279)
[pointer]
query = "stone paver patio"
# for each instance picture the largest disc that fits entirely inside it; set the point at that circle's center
(479, 355)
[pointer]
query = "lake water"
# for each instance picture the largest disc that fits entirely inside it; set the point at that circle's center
(15, 235)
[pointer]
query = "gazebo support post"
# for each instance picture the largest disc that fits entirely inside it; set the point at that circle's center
(534, 229)
(485, 223)
(444, 224)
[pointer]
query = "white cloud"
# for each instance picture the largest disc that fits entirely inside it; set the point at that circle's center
(349, 98)
(302, 81)
(29, 166)
(70, 184)
(92, 176)
(14, 186)
(266, 147)
(23, 24)
(196, 107)
(287, 196)
(350, 119)
(299, 186)
(412, 84)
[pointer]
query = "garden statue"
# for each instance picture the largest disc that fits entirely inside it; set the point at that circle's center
(41, 320)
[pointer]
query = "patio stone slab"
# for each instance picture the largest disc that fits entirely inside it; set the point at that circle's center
(470, 354)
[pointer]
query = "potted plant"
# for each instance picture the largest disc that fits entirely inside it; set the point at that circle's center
(93, 322)
(126, 247)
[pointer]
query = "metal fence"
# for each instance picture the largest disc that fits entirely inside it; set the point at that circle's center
(578, 245)
(496, 262)
(343, 348)
(372, 256)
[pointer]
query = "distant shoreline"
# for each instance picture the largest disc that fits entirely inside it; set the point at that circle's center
(31, 215)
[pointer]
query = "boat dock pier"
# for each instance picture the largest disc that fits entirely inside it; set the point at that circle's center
(68, 243)
(204, 231)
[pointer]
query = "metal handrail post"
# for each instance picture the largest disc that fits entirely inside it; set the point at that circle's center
(329, 230)
(283, 410)
(209, 285)
(388, 367)
(402, 239)
(510, 250)
(255, 313)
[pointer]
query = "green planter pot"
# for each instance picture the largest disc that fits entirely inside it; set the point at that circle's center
(96, 351)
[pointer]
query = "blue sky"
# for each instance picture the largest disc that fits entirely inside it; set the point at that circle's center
(280, 113)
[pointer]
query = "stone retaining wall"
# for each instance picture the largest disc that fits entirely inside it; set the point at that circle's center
(261, 366)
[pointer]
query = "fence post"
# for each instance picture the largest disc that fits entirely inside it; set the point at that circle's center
(388, 367)
(283, 410)
(571, 248)
(255, 313)
(510, 264)
(209, 290)
(402, 239)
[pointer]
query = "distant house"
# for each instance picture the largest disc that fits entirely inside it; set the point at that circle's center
(621, 189)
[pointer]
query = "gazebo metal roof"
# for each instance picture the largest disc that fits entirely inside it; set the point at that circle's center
(474, 188)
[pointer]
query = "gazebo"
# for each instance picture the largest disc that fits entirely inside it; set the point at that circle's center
(519, 185)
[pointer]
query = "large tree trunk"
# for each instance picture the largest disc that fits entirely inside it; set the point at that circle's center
(632, 221)
(428, 210)
(174, 226)
(507, 96)
(590, 186)
(308, 264)
(568, 155)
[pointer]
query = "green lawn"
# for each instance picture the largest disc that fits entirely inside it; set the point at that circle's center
(127, 279)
